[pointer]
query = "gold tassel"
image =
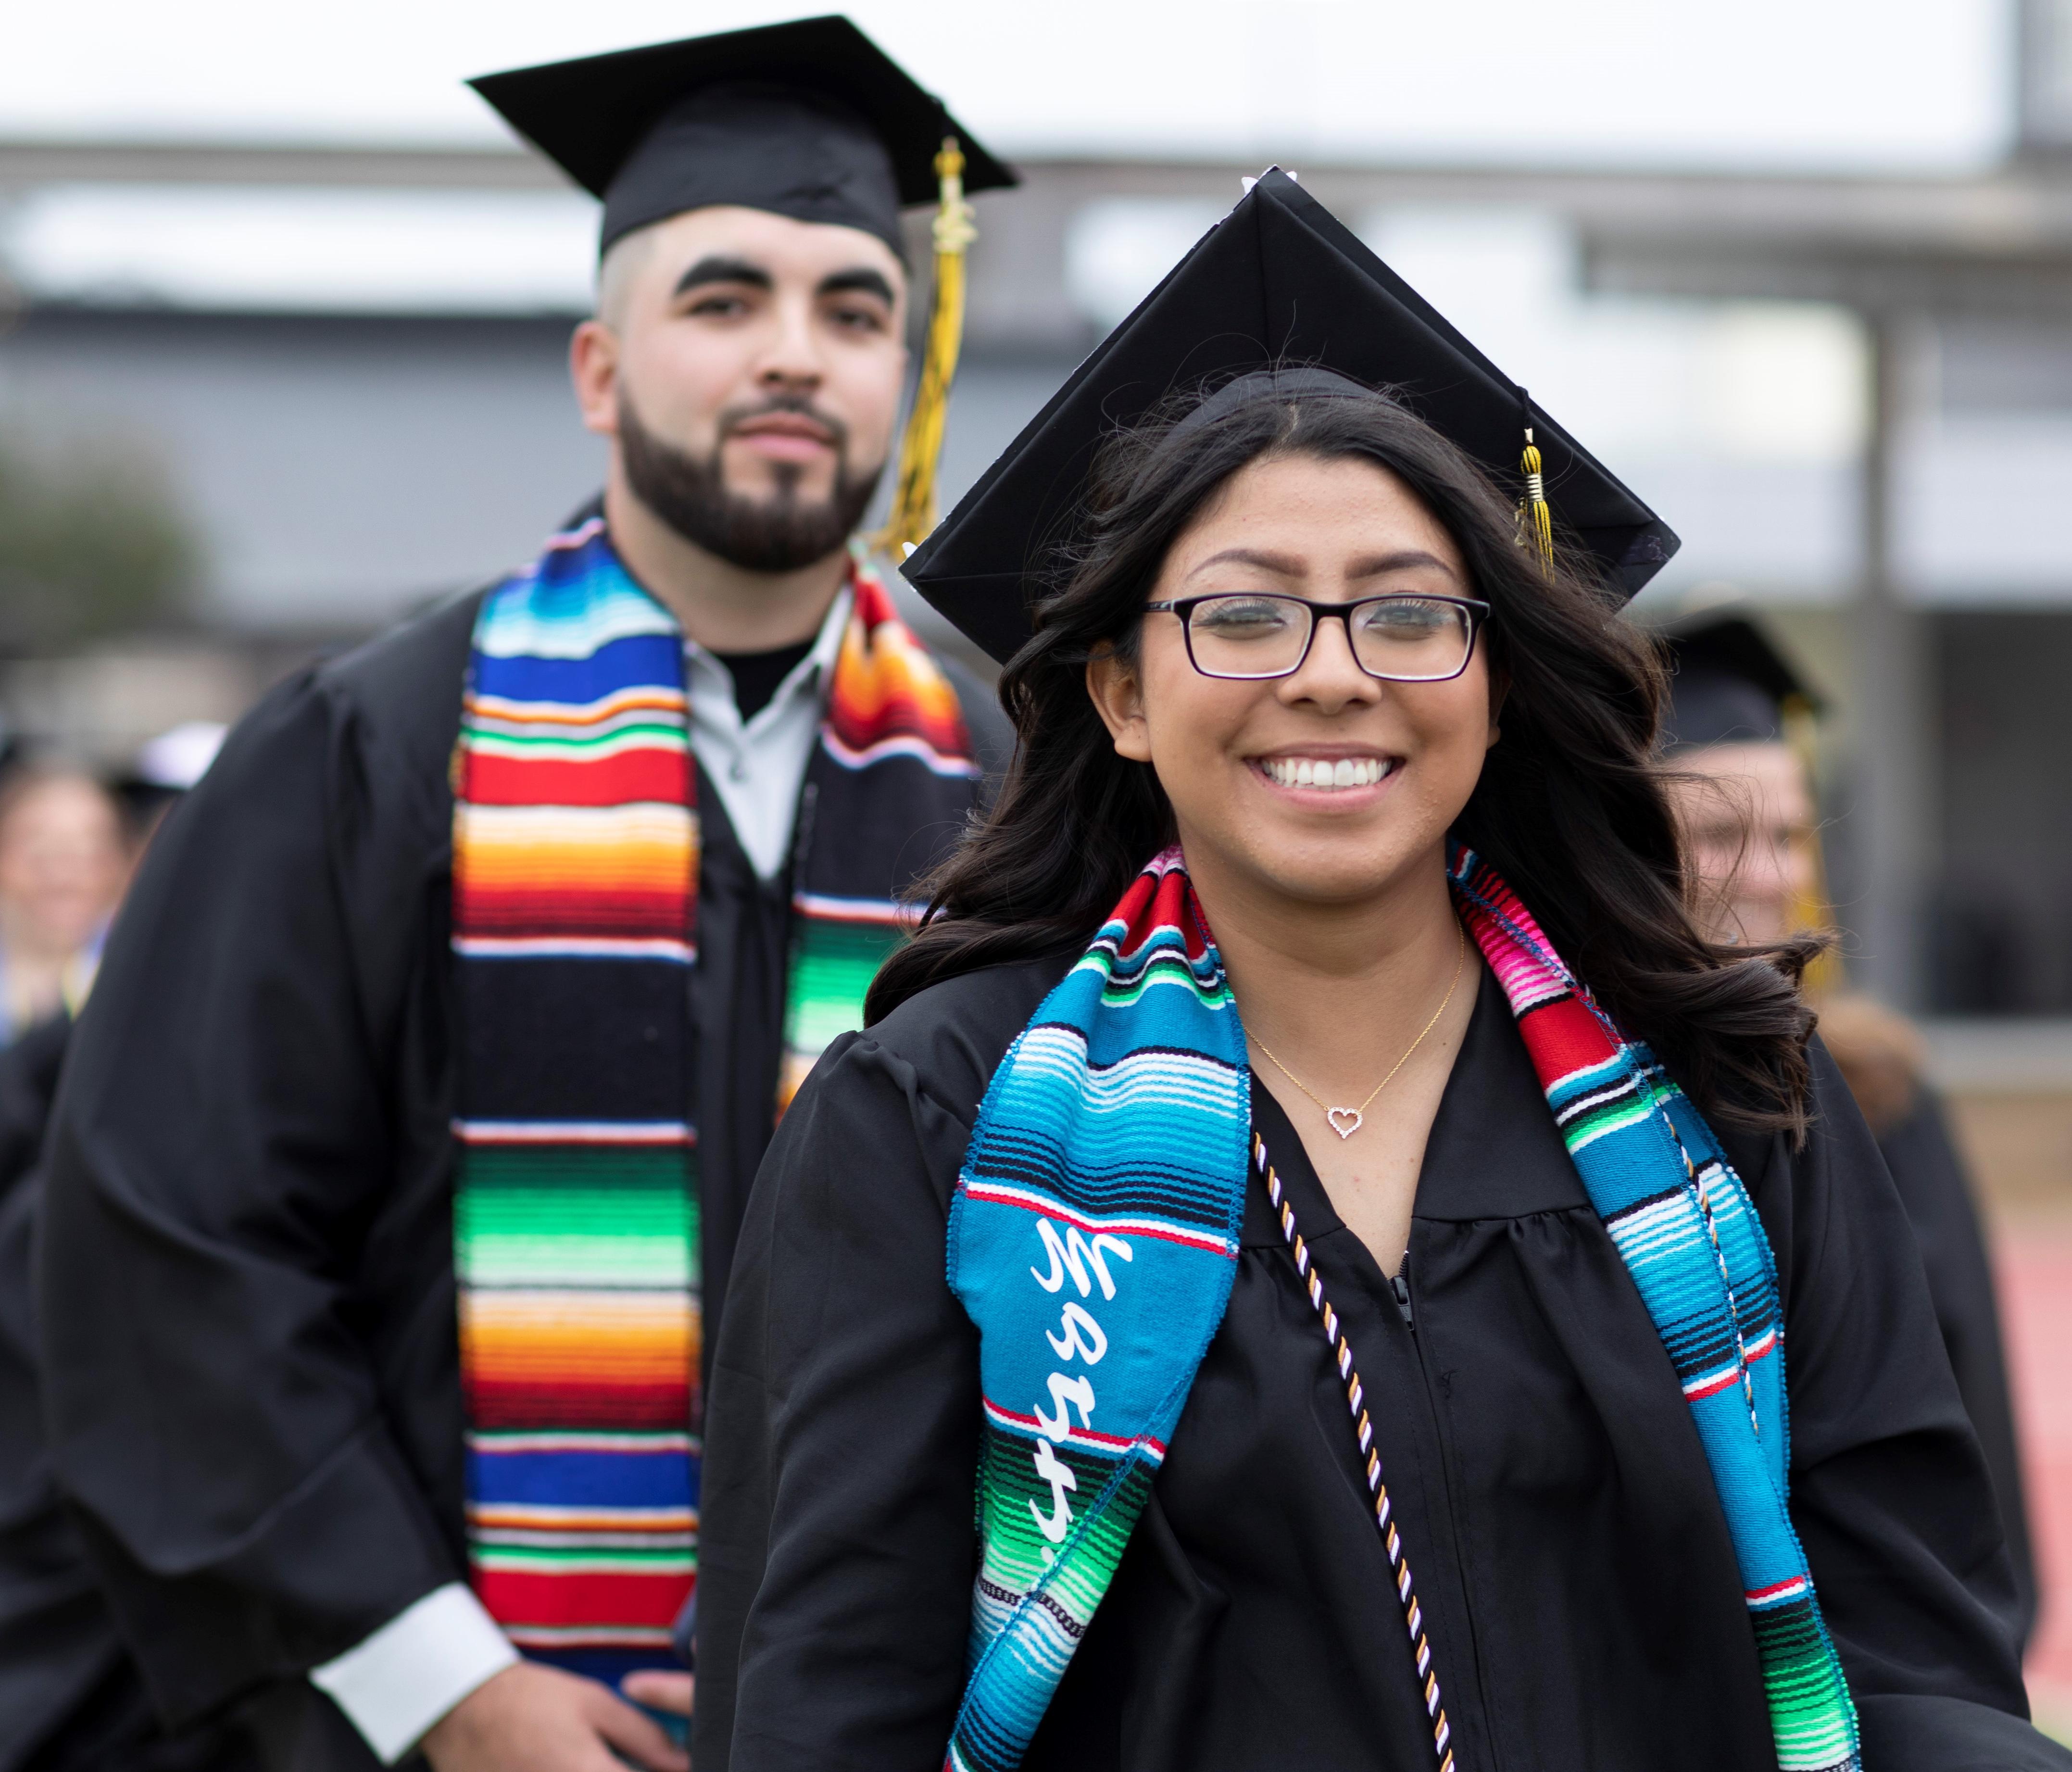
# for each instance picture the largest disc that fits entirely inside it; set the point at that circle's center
(1811, 911)
(914, 489)
(1533, 507)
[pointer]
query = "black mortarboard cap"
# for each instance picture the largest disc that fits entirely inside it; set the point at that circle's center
(809, 119)
(1279, 281)
(1728, 684)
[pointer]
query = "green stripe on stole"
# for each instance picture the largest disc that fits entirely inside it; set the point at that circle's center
(1009, 1488)
(832, 969)
(588, 1216)
(832, 965)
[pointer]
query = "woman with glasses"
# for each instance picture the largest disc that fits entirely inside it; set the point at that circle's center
(1317, 1261)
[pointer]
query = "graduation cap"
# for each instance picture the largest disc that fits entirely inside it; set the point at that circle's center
(1729, 684)
(810, 119)
(164, 768)
(1279, 282)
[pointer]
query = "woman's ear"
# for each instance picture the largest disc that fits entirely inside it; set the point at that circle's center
(1499, 693)
(1117, 694)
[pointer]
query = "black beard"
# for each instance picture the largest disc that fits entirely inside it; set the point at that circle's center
(775, 534)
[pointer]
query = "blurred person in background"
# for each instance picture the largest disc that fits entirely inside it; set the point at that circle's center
(1741, 786)
(464, 994)
(63, 858)
(71, 1698)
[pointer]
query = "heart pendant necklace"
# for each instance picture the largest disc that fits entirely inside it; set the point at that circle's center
(1345, 1121)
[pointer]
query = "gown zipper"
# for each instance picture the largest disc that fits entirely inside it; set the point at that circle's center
(1398, 1286)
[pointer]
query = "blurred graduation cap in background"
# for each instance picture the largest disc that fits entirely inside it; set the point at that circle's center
(809, 119)
(1730, 684)
(165, 768)
(1280, 284)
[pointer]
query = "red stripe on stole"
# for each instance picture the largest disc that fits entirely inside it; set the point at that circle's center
(1161, 902)
(1565, 1036)
(897, 710)
(597, 1402)
(884, 692)
(630, 776)
(518, 1598)
(483, 911)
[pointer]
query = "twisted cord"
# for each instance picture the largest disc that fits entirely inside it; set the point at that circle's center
(1342, 1354)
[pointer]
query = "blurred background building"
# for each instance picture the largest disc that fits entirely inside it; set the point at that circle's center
(266, 384)
(283, 322)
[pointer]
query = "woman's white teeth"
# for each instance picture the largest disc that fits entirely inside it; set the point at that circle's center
(1326, 772)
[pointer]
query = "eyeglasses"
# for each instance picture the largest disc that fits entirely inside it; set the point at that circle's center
(1250, 635)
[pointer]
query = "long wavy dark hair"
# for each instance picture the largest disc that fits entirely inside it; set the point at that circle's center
(1567, 806)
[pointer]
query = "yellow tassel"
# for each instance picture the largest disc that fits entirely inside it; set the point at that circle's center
(1533, 508)
(914, 489)
(1811, 911)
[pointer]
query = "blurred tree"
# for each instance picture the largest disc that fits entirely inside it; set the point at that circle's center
(91, 541)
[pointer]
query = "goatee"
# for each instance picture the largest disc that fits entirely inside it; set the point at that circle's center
(778, 533)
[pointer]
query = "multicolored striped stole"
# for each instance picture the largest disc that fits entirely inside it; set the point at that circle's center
(1690, 1236)
(1092, 1240)
(576, 1226)
(888, 791)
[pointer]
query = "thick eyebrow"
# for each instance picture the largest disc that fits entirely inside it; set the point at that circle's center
(718, 268)
(860, 278)
(1400, 561)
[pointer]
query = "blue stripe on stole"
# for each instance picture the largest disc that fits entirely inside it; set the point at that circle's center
(1137, 1135)
(1591, 1080)
(1766, 1552)
(635, 661)
(1171, 1192)
(607, 1667)
(1169, 1015)
(661, 1478)
(580, 592)
(1622, 1168)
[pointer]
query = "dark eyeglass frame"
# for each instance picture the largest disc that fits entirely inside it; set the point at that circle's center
(1477, 611)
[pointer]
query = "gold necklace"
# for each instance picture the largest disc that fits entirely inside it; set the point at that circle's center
(1353, 1117)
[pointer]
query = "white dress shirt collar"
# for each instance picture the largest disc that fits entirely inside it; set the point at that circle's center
(756, 767)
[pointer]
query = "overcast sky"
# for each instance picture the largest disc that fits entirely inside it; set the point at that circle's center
(1812, 85)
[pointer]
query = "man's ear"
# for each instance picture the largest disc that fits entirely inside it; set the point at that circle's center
(1117, 693)
(593, 369)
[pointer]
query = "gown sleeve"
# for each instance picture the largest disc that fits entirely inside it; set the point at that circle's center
(1890, 1493)
(836, 1543)
(224, 1129)
(1929, 1176)
(56, 1639)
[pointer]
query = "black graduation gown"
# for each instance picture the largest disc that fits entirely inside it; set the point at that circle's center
(248, 1287)
(1574, 1565)
(1929, 1176)
(57, 1642)
(71, 1698)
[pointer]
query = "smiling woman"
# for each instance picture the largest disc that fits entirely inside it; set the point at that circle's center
(1334, 499)
(1324, 967)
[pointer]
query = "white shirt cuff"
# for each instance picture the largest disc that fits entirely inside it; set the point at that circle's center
(414, 1669)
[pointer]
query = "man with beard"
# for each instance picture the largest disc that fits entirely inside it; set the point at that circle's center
(467, 987)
